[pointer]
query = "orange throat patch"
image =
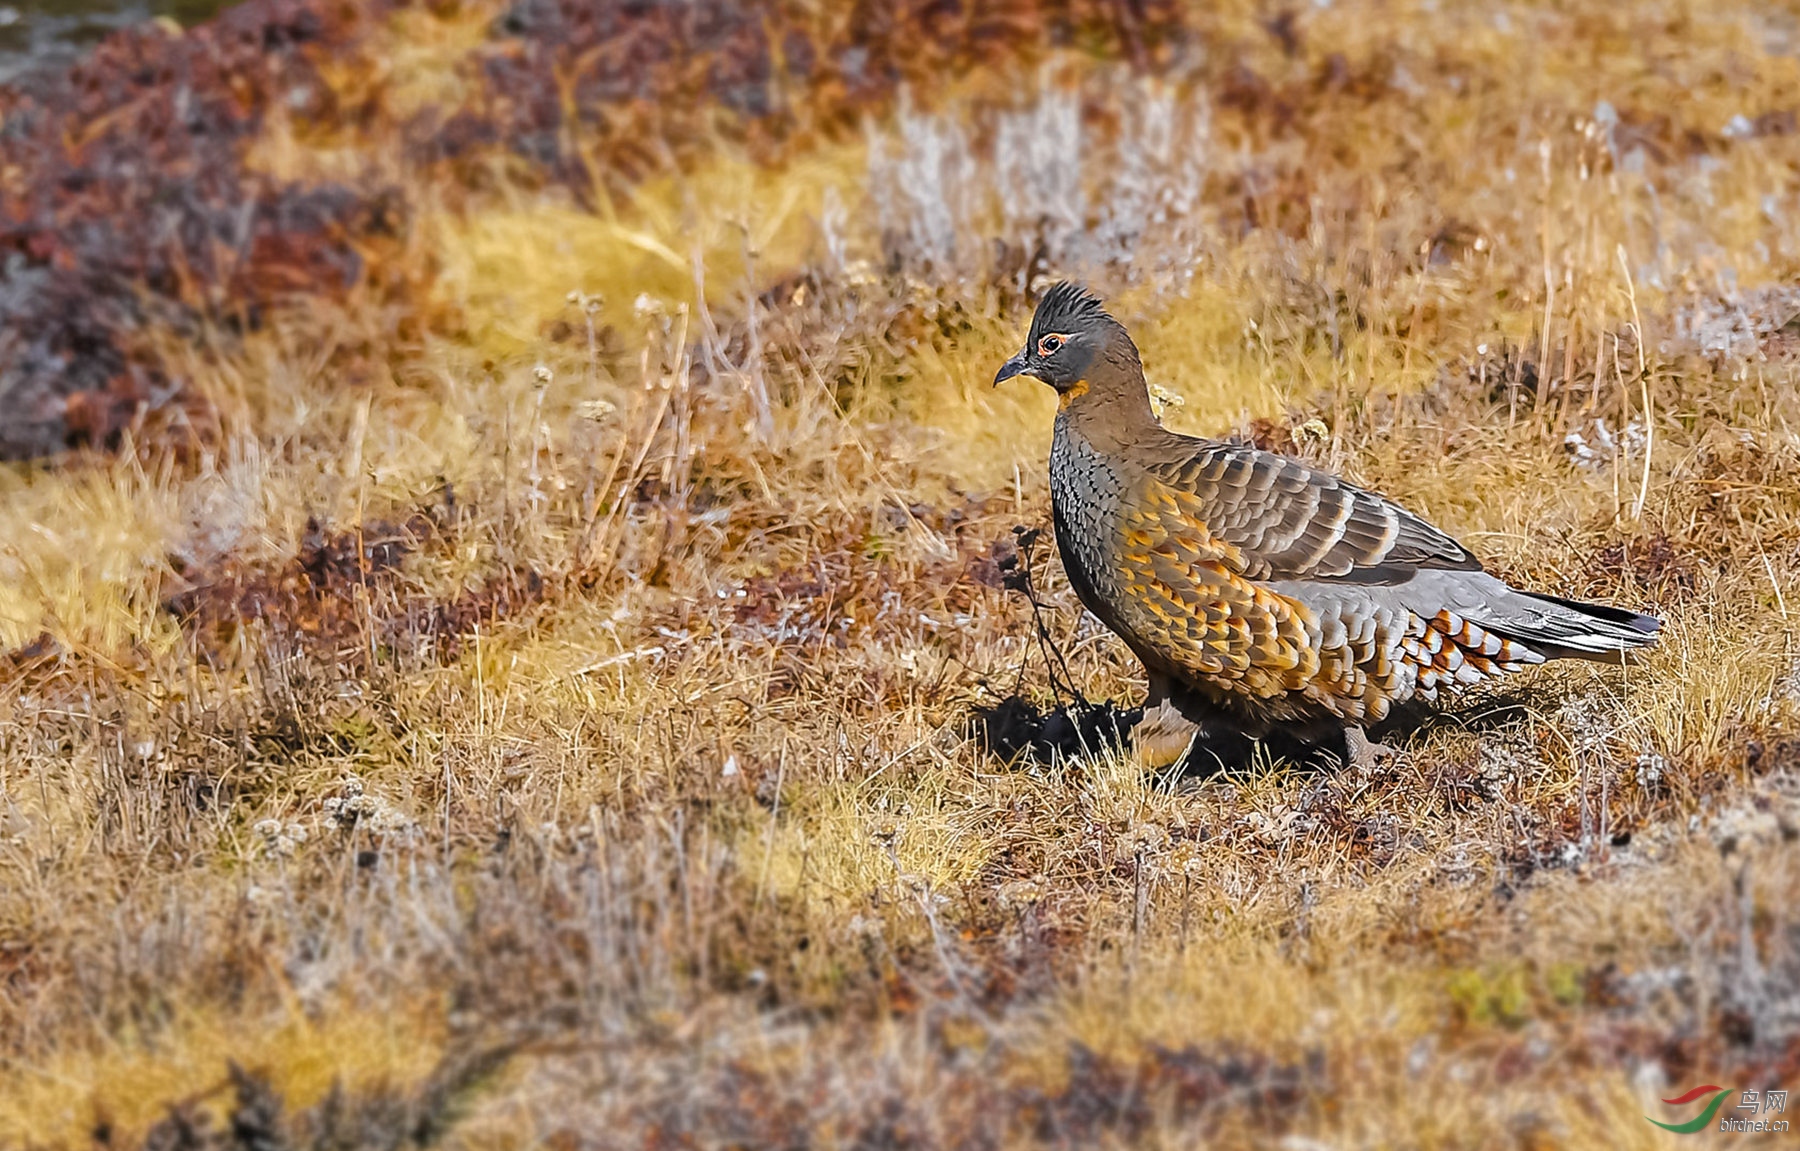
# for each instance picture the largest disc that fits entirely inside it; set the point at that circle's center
(1076, 390)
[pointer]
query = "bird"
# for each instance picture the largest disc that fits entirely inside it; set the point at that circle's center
(1263, 594)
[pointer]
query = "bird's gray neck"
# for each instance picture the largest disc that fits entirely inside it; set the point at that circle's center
(1110, 413)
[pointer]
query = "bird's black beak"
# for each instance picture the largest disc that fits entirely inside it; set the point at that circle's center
(1011, 368)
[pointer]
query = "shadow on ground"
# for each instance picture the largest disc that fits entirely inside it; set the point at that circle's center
(1015, 730)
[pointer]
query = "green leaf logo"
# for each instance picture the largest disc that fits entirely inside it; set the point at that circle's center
(1705, 1117)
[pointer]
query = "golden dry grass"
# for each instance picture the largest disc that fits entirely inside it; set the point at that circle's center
(642, 756)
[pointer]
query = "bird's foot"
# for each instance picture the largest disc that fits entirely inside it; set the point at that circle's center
(1365, 755)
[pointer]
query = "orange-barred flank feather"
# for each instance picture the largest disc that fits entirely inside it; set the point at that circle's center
(1257, 589)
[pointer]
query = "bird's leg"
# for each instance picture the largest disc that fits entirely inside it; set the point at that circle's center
(1359, 752)
(1175, 723)
(1164, 735)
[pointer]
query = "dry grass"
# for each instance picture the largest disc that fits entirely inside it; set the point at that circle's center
(548, 721)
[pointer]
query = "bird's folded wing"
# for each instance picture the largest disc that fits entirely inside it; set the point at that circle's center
(1185, 603)
(1275, 517)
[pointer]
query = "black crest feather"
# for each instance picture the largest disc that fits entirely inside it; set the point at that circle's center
(1068, 307)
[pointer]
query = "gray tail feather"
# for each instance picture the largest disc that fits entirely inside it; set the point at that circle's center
(1583, 630)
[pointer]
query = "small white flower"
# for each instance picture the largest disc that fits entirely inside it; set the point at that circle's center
(354, 807)
(1164, 398)
(278, 839)
(1314, 430)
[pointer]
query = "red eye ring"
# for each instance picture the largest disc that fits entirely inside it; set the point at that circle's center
(1050, 345)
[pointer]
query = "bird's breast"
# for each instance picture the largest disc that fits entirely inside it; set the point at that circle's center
(1086, 492)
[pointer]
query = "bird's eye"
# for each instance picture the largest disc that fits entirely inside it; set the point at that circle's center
(1049, 344)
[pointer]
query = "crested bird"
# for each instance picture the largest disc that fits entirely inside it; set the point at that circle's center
(1263, 594)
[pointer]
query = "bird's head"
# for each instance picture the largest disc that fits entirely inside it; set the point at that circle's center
(1074, 345)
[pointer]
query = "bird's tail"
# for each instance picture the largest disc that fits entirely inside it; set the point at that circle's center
(1570, 629)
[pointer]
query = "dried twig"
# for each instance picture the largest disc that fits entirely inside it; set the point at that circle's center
(1018, 578)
